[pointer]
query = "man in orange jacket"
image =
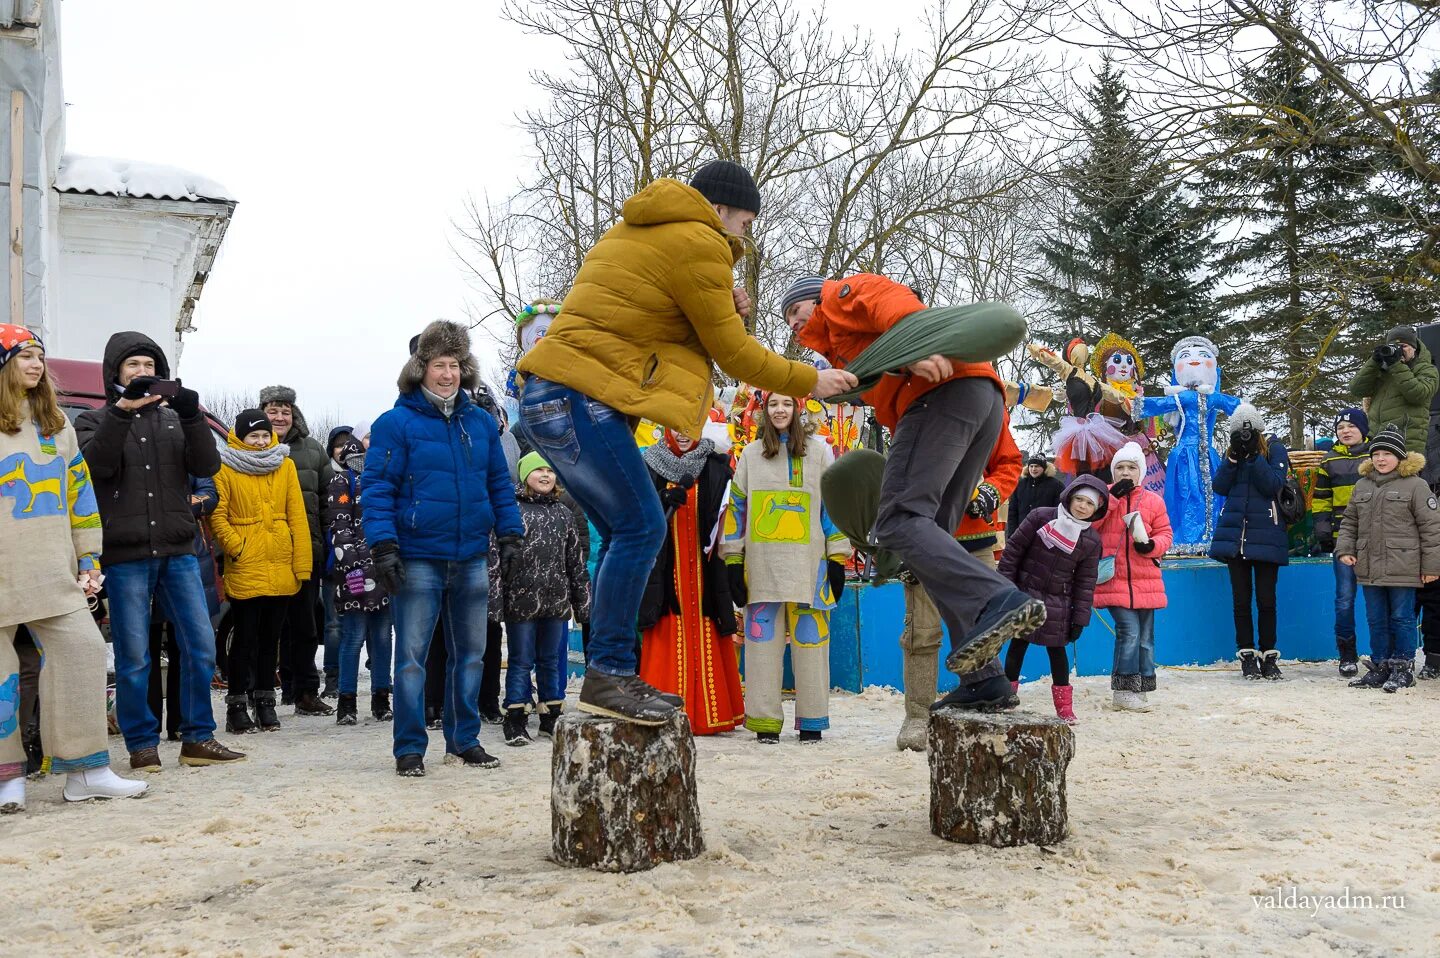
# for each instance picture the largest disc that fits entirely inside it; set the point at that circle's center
(945, 418)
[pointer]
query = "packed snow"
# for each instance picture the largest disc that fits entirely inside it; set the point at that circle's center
(108, 176)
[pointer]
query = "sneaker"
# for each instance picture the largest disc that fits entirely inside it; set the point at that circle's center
(1012, 615)
(623, 697)
(988, 695)
(410, 766)
(767, 738)
(145, 760)
(308, 703)
(208, 752)
(667, 697)
(1249, 664)
(1270, 665)
(12, 796)
(810, 736)
(473, 757)
(92, 783)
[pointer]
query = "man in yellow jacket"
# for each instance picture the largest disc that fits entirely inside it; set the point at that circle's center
(652, 307)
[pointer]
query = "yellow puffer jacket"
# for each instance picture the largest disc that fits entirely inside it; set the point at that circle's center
(260, 523)
(650, 310)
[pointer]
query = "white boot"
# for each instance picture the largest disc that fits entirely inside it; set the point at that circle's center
(1130, 702)
(101, 782)
(12, 795)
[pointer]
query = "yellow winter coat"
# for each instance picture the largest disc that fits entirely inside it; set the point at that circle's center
(260, 523)
(650, 310)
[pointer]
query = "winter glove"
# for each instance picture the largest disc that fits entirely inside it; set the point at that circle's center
(1244, 444)
(510, 547)
(738, 592)
(139, 386)
(1075, 631)
(186, 403)
(389, 570)
(986, 502)
(836, 573)
(1122, 488)
(673, 497)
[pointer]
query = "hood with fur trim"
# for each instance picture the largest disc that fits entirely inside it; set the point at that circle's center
(440, 338)
(1409, 466)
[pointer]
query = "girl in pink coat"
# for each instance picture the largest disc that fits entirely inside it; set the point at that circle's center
(1136, 533)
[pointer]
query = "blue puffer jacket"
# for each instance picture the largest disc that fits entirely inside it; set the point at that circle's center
(1250, 525)
(435, 486)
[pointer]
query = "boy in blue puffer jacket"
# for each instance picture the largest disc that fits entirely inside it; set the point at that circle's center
(436, 488)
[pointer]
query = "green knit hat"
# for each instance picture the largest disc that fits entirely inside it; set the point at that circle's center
(530, 462)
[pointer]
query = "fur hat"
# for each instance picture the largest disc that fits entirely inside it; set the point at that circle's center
(286, 395)
(1390, 439)
(1247, 416)
(1130, 452)
(440, 338)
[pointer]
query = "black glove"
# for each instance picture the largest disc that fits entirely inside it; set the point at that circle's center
(389, 570)
(1075, 631)
(138, 387)
(836, 572)
(986, 502)
(510, 547)
(185, 402)
(1244, 444)
(673, 498)
(1122, 488)
(1326, 543)
(738, 592)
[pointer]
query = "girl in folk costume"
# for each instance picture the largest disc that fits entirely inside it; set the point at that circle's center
(1087, 438)
(784, 557)
(49, 547)
(1055, 557)
(1117, 362)
(688, 614)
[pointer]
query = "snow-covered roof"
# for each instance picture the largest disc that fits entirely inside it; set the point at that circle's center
(107, 176)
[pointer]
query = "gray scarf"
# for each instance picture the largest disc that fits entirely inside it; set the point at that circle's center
(667, 465)
(254, 462)
(446, 406)
(355, 463)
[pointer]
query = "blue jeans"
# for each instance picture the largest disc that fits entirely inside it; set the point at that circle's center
(1390, 610)
(370, 629)
(1345, 585)
(175, 583)
(592, 448)
(1134, 647)
(332, 629)
(539, 644)
(460, 593)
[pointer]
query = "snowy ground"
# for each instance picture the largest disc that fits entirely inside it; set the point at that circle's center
(1179, 818)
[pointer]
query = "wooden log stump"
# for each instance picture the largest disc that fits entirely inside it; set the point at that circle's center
(622, 796)
(998, 779)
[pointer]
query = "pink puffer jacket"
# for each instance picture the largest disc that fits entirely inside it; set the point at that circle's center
(1137, 583)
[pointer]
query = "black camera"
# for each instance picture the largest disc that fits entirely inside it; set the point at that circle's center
(1245, 436)
(1388, 354)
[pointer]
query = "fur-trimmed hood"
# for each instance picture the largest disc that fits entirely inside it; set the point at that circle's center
(440, 338)
(1409, 466)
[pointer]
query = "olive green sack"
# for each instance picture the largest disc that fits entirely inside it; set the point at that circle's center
(850, 489)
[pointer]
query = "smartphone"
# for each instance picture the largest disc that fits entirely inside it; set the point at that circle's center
(163, 387)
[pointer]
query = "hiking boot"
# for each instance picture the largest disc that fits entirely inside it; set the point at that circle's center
(145, 760)
(92, 783)
(994, 694)
(345, 713)
(623, 697)
(332, 687)
(1432, 667)
(308, 703)
(767, 738)
(1270, 665)
(380, 705)
(1349, 660)
(208, 752)
(410, 766)
(473, 757)
(1402, 675)
(515, 730)
(1064, 698)
(811, 736)
(549, 715)
(237, 716)
(1011, 615)
(265, 716)
(434, 718)
(1376, 672)
(1249, 664)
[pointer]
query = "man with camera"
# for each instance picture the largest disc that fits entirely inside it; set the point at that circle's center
(1399, 380)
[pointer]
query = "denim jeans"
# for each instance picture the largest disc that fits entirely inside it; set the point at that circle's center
(1390, 610)
(1134, 647)
(372, 630)
(456, 593)
(592, 448)
(1345, 585)
(539, 644)
(175, 583)
(332, 630)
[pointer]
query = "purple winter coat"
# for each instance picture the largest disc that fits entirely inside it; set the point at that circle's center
(1065, 583)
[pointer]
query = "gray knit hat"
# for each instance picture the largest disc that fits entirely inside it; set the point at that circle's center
(806, 287)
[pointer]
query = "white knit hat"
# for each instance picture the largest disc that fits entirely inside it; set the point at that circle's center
(1130, 452)
(1247, 416)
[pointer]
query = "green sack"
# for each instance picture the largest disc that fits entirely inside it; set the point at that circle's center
(850, 489)
(976, 333)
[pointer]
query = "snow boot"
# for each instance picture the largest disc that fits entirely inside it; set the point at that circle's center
(1064, 697)
(1432, 667)
(472, 757)
(1270, 665)
(380, 705)
(410, 766)
(921, 672)
(809, 736)
(1126, 701)
(549, 715)
(237, 716)
(265, 716)
(345, 713)
(1377, 671)
(91, 783)
(1402, 675)
(332, 686)
(988, 695)
(1349, 659)
(12, 795)
(515, 729)
(1249, 664)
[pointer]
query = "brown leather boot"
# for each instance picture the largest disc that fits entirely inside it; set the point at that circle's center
(208, 752)
(308, 703)
(145, 760)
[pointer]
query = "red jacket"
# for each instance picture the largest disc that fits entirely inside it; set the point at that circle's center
(1137, 583)
(1003, 472)
(851, 315)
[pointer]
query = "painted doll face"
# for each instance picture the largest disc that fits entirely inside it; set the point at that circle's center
(1196, 365)
(534, 331)
(1120, 367)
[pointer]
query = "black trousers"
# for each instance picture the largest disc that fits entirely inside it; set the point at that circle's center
(255, 642)
(489, 680)
(1262, 595)
(299, 640)
(1015, 658)
(165, 701)
(1429, 602)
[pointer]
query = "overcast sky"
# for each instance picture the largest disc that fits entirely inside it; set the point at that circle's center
(351, 134)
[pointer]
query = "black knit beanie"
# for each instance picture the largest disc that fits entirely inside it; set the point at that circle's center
(249, 421)
(728, 184)
(1391, 439)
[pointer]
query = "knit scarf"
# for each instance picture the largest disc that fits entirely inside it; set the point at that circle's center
(1063, 532)
(255, 462)
(667, 465)
(355, 463)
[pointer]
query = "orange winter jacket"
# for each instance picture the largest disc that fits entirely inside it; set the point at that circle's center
(851, 315)
(1003, 472)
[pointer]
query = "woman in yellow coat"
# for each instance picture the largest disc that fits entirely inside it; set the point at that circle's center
(261, 526)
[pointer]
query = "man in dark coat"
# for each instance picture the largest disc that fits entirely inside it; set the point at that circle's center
(142, 456)
(301, 635)
(1038, 489)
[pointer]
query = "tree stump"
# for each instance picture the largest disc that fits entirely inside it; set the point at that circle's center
(622, 796)
(998, 779)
